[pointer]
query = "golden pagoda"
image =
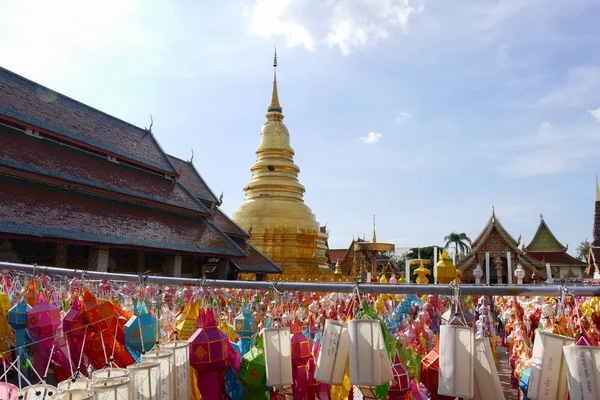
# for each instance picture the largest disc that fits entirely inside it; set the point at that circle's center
(281, 225)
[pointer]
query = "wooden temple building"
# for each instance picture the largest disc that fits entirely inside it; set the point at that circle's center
(543, 249)
(82, 189)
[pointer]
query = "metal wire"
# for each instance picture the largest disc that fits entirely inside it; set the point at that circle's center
(346, 287)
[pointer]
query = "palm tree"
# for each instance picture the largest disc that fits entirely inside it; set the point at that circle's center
(462, 243)
(583, 250)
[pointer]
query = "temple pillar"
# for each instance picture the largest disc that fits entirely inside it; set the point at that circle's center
(222, 268)
(98, 260)
(498, 265)
(61, 251)
(172, 266)
(140, 262)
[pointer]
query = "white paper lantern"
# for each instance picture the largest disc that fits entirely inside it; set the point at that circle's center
(114, 388)
(144, 379)
(487, 381)
(81, 383)
(181, 367)
(456, 361)
(369, 362)
(548, 379)
(583, 372)
(278, 356)
(38, 392)
(333, 356)
(166, 360)
(75, 394)
(109, 373)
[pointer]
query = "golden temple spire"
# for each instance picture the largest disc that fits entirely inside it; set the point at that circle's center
(374, 231)
(597, 189)
(275, 106)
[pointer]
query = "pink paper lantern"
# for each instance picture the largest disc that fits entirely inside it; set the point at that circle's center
(43, 318)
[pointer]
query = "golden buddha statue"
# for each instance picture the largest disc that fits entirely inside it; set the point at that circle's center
(281, 225)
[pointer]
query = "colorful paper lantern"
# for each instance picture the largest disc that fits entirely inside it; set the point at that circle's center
(17, 319)
(209, 352)
(246, 327)
(144, 379)
(333, 356)
(400, 382)
(253, 374)
(111, 388)
(369, 362)
(166, 360)
(278, 356)
(301, 354)
(8, 391)
(487, 381)
(181, 367)
(99, 314)
(141, 330)
(583, 371)
(456, 376)
(187, 321)
(548, 379)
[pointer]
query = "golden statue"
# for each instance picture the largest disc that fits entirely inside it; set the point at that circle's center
(422, 273)
(284, 228)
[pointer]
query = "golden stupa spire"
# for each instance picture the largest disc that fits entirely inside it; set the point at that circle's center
(374, 231)
(275, 106)
(597, 189)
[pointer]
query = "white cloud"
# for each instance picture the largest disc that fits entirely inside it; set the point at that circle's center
(551, 150)
(595, 113)
(402, 117)
(371, 138)
(345, 24)
(580, 87)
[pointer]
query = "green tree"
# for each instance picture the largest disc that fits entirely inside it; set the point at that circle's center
(583, 250)
(461, 242)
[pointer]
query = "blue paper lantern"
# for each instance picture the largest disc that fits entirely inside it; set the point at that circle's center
(141, 331)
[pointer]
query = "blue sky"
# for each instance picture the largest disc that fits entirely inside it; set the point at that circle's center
(424, 113)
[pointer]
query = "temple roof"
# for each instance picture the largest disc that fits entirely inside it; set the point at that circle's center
(492, 223)
(338, 254)
(255, 261)
(544, 240)
(225, 224)
(41, 212)
(555, 258)
(23, 152)
(32, 104)
(192, 181)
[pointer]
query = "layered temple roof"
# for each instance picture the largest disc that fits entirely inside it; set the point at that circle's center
(38, 107)
(545, 248)
(494, 235)
(70, 173)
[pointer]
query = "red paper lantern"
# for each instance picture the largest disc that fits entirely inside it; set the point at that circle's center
(401, 382)
(430, 369)
(98, 313)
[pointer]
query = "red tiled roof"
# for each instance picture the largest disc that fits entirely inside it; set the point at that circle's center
(36, 211)
(45, 157)
(225, 224)
(38, 106)
(337, 254)
(190, 179)
(555, 258)
(255, 261)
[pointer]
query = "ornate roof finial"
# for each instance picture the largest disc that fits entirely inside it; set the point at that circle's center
(597, 189)
(541, 217)
(493, 210)
(374, 231)
(275, 106)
